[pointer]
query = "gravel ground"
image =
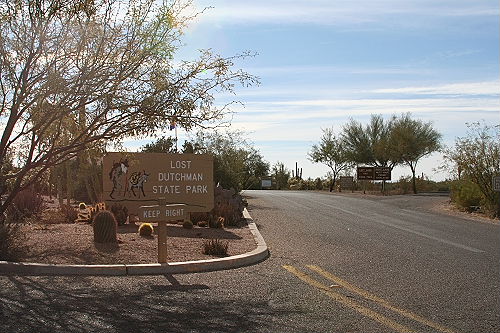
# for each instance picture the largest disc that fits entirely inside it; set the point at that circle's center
(73, 244)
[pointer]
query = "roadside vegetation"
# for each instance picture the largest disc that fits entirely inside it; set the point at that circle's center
(78, 77)
(473, 161)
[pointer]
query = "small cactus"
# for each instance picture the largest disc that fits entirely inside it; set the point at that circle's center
(214, 222)
(104, 226)
(82, 206)
(146, 229)
(202, 224)
(187, 224)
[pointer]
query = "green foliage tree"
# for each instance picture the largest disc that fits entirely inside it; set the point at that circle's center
(75, 74)
(237, 164)
(161, 145)
(370, 145)
(477, 156)
(412, 139)
(331, 151)
(281, 175)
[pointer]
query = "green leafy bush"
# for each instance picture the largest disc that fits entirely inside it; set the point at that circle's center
(146, 229)
(104, 226)
(215, 247)
(466, 194)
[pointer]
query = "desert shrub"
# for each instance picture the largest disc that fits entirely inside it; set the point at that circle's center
(11, 242)
(466, 194)
(404, 185)
(27, 203)
(104, 226)
(120, 212)
(146, 229)
(187, 224)
(70, 213)
(229, 205)
(215, 247)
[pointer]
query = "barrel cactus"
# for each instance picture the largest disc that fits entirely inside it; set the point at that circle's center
(104, 226)
(146, 229)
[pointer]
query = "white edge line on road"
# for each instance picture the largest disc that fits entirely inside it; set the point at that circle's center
(392, 225)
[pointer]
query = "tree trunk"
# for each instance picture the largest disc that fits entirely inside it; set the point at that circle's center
(69, 184)
(60, 189)
(414, 180)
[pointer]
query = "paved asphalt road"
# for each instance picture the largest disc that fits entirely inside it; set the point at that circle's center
(339, 263)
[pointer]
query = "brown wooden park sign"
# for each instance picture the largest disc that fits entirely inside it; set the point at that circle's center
(140, 179)
(159, 187)
(374, 173)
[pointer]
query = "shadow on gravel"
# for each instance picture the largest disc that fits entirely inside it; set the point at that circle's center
(30, 304)
(179, 231)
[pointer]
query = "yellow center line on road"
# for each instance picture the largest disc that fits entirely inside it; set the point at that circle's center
(346, 301)
(382, 302)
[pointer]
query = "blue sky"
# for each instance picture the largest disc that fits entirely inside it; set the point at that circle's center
(321, 63)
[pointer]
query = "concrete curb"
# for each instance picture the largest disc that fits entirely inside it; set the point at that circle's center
(247, 259)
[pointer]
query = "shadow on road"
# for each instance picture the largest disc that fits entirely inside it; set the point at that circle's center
(29, 304)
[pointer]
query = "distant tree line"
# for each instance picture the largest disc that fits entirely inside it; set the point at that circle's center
(400, 140)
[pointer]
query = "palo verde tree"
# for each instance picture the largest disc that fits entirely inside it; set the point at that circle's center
(161, 145)
(371, 144)
(76, 74)
(237, 164)
(413, 139)
(331, 152)
(477, 157)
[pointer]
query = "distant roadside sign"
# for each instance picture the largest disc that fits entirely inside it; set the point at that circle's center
(365, 173)
(266, 183)
(374, 173)
(346, 182)
(382, 173)
(496, 183)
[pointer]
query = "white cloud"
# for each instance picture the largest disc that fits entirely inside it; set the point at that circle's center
(472, 88)
(330, 12)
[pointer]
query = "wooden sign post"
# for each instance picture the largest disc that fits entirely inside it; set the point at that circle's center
(162, 214)
(159, 187)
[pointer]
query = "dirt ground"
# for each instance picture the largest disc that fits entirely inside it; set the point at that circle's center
(58, 243)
